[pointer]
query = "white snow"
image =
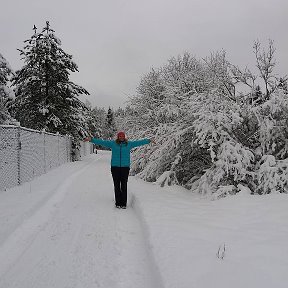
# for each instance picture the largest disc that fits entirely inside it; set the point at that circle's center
(62, 230)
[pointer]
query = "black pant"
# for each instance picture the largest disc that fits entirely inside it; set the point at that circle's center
(120, 179)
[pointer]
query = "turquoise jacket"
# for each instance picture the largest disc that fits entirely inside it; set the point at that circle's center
(120, 152)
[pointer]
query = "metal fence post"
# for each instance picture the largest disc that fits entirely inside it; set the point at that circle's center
(58, 149)
(44, 147)
(18, 156)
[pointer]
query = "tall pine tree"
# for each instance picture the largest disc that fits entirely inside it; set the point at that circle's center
(110, 124)
(99, 122)
(45, 97)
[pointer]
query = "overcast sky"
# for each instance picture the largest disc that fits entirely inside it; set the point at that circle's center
(115, 42)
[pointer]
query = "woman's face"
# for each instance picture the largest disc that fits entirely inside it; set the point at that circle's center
(121, 137)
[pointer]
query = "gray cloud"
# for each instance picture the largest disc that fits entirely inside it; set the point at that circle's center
(114, 42)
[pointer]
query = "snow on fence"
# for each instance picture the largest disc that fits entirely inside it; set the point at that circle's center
(27, 153)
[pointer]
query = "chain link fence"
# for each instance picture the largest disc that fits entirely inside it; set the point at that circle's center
(27, 153)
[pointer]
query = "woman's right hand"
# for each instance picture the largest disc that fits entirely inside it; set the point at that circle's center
(87, 139)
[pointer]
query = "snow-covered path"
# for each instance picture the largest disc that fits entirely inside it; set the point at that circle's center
(61, 230)
(76, 238)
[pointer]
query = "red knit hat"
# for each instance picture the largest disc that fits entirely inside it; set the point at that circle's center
(121, 133)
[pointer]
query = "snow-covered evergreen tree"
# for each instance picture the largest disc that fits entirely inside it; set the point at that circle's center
(98, 127)
(45, 96)
(88, 115)
(6, 94)
(110, 124)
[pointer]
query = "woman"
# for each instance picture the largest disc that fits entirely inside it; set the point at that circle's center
(120, 163)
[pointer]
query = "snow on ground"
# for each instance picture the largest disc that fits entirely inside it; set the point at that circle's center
(62, 230)
(70, 235)
(186, 233)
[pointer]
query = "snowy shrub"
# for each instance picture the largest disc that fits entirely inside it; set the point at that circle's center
(210, 137)
(232, 165)
(168, 178)
(194, 161)
(273, 125)
(271, 168)
(216, 121)
(235, 160)
(223, 191)
(160, 157)
(272, 175)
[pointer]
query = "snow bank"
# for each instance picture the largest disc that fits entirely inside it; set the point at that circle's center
(187, 236)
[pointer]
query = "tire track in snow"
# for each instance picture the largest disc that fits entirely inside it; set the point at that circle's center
(145, 232)
(135, 251)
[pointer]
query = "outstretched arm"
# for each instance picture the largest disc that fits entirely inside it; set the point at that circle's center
(101, 142)
(137, 143)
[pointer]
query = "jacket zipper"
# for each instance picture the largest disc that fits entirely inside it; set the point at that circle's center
(120, 154)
